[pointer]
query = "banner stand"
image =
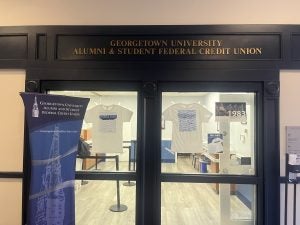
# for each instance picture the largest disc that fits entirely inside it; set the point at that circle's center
(54, 123)
(118, 207)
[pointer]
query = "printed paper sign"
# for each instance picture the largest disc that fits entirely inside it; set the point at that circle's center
(215, 143)
(231, 112)
(293, 139)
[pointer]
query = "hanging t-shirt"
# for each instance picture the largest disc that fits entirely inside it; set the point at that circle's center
(107, 130)
(187, 126)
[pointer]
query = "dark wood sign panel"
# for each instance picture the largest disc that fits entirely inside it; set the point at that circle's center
(13, 47)
(296, 47)
(175, 47)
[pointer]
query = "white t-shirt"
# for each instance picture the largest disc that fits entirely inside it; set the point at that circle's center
(187, 126)
(107, 130)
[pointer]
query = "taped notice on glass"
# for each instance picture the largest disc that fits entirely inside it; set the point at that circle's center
(293, 139)
(231, 112)
(214, 143)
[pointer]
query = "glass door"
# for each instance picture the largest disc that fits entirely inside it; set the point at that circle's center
(209, 154)
(105, 186)
(169, 153)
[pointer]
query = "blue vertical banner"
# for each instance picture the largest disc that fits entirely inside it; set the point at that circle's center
(54, 124)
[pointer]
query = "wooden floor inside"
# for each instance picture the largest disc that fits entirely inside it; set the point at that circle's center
(182, 203)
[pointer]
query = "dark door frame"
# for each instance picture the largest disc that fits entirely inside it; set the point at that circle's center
(264, 82)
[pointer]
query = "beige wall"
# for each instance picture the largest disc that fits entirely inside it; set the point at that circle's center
(289, 116)
(289, 107)
(107, 12)
(10, 201)
(11, 139)
(11, 120)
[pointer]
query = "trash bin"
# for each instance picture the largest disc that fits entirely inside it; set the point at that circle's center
(203, 166)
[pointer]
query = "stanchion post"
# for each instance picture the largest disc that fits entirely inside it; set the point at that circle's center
(134, 155)
(118, 207)
(129, 183)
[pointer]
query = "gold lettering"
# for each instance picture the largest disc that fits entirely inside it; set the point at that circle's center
(89, 51)
(176, 47)
(196, 43)
(219, 43)
(138, 43)
(136, 51)
(75, 52)
(247, 51)
(259, 51)
(214, 51)
(177, 51)
(112, 43)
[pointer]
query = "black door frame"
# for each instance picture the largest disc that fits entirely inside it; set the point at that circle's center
(257, 179)
(148, 177)
(47, 86)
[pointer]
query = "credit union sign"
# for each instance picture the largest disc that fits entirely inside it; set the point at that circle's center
(193, 47)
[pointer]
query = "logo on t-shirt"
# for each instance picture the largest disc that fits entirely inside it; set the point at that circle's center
(108, 117)
(108, 123)
(187, 120)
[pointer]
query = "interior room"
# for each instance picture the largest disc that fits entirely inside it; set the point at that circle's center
(226, 147)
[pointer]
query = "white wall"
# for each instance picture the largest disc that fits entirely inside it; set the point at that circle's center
(114, 12)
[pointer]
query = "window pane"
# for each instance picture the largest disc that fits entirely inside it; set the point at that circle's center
(200, 204)
(108, 132)
(94, 200)
(208, 132)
